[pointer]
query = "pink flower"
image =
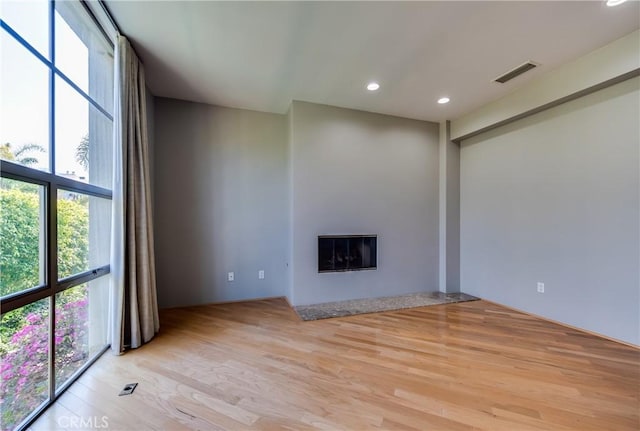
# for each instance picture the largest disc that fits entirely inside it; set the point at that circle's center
(33, 318)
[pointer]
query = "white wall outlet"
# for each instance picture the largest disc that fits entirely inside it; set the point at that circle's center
(261, 274)
(230, 276)
(540, 287)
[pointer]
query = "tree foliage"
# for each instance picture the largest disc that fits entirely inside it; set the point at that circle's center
(73, 236)
(24, 154)
(24, 332)
(20, 232)
(82, 152)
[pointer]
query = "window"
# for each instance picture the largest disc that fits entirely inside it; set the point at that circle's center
(22, 207)
(56, 145)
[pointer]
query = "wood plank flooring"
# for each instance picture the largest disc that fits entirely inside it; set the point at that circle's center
(256, 366)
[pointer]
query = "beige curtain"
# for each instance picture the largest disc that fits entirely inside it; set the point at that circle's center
(134, 305)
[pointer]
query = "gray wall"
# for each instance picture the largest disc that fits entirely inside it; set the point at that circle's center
(221, 203)
(449, 178)
(453, 217)
(554, 198)
(355, 172)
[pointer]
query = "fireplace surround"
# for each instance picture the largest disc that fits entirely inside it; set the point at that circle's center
(337, 253)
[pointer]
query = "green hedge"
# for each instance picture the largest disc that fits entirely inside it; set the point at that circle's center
(24, 331)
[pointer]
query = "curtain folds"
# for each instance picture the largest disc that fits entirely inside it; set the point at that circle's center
(133, 300)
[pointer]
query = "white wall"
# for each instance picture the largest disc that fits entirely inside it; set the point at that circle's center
(221, 203)
(355, 172)
(555, 198)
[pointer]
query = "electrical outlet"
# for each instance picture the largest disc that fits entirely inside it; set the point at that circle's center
(540, 287)
(230, 276)
(261, 274)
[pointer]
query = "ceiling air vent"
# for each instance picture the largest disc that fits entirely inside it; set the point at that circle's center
(516, 72)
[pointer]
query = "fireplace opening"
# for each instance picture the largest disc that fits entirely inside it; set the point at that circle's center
(347, 252)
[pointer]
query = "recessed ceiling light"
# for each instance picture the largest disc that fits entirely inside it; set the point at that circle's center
(443, 100)
(373, 86)
(615, 2)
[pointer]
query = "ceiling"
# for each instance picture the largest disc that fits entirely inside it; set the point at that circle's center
(262, 55)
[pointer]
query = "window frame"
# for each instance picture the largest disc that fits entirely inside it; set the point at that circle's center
(51, 183)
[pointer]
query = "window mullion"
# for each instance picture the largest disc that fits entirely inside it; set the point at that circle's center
(20, 299)
(52, 348)
(52, 90)
(52, 278)
(52, 208)
(83, 277)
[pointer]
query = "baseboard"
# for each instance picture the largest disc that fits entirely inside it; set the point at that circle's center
(566, 325)
(234, 301)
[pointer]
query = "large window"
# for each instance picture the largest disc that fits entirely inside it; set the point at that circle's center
(56, 106)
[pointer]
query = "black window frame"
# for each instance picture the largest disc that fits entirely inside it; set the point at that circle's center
(51, 182)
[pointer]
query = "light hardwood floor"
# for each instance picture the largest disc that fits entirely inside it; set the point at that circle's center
(255, 365)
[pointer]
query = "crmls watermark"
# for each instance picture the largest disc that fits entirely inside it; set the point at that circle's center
(90, 422)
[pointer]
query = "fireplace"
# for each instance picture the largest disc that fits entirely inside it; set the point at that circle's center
(347, 252)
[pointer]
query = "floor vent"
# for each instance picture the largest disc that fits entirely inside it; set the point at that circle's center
(516, 72)
(128, 389)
